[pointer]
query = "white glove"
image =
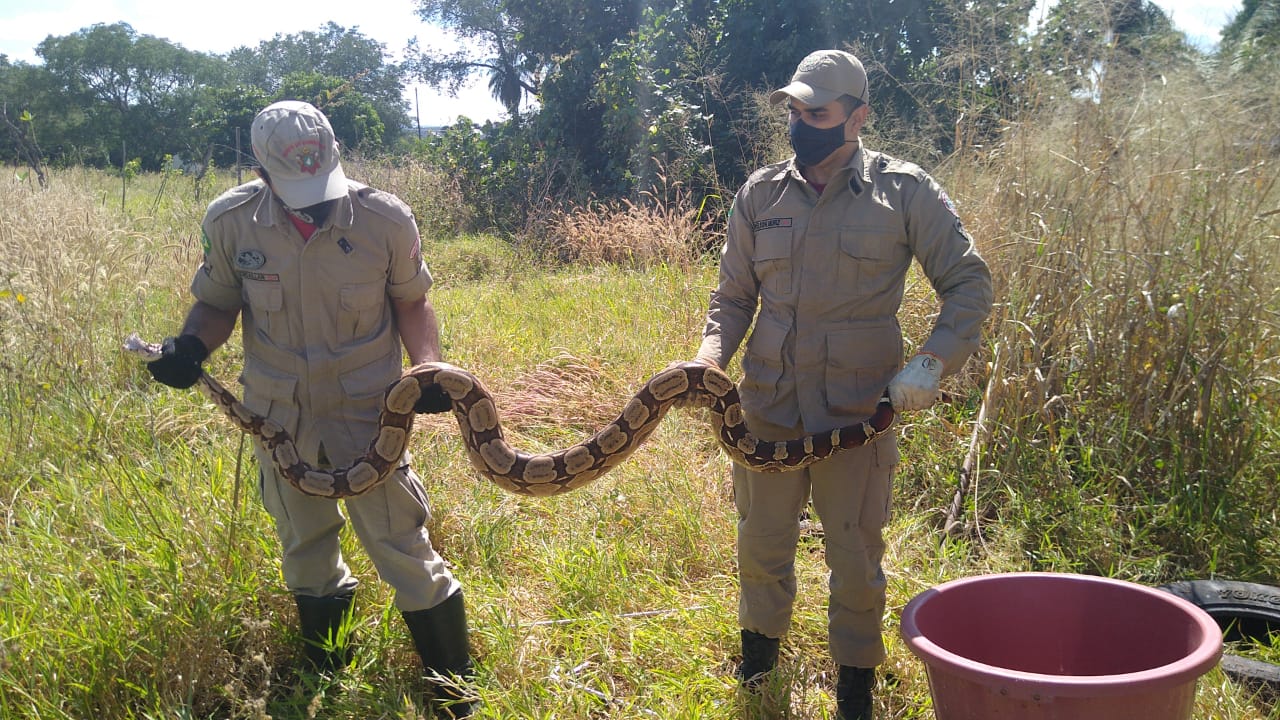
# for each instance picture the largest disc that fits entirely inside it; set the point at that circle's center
(916, 385)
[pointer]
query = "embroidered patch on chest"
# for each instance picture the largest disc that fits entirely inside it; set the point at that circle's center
(770, 223)
(250, 259)
(260, 277)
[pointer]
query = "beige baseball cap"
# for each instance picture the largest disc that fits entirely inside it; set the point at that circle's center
(824, 76)
(295, 144)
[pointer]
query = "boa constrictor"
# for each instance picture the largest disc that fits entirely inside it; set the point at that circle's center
(688, 383)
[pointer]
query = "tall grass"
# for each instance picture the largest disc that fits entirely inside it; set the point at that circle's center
(1134, 351)
(1127, 381)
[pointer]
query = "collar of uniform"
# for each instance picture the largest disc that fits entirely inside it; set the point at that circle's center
(270, 211)
(860, 167)
(344, 216)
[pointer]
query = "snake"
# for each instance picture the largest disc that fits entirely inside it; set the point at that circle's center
(687, 384)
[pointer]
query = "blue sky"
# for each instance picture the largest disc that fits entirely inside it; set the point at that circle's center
(209, 27)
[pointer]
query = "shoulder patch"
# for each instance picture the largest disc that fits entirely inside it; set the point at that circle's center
(947, 203)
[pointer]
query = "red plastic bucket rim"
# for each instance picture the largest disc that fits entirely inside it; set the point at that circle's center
(1196, 663)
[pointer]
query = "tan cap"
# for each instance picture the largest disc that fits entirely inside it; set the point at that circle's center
(295, 144)
(824, 76)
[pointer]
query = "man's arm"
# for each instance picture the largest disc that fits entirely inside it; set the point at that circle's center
(205, 329)
(419, 331)
(212, 325)
(733, 303)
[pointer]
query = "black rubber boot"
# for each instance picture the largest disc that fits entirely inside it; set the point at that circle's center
(328, 645)
(440, 636)
(759, 656)
(853, 693)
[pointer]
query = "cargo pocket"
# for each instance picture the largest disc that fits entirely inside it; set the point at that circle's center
(362, 392)
(266, 301)
(362, 308)
(772, 261)
(871, 259)
(762, 362)
(860, 363)
(270, 393)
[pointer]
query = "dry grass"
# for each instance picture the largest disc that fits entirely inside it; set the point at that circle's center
(435, 196)
(1127, 438)
(664, 227)
(1135, 342)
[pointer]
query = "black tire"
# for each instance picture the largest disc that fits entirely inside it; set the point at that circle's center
(1247, 612)
(1258, 677)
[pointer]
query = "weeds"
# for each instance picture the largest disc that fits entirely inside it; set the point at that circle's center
(1127, 385)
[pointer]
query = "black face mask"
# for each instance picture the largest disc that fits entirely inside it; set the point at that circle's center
(813, 145)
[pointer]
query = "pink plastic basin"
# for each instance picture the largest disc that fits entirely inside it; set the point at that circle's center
(1051, 646)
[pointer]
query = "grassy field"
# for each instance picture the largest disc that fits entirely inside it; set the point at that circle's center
(1120, 420)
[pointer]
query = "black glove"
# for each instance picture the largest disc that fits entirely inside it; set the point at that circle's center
(179, 363)
(434, 400)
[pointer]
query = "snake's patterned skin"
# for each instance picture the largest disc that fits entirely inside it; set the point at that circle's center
(687, 384)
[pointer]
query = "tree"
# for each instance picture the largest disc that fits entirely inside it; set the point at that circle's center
(220, 113)
(137, 92)
(496, 35)
(518, 42)
(1088, 41)
(358, 63)
(24, 93)
(23, 136)
(1251, 39)
(356, 122)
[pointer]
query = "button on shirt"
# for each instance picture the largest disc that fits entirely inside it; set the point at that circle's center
(320, 340)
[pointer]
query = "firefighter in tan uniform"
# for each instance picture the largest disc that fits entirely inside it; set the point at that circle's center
(328, 281)
(817, 251)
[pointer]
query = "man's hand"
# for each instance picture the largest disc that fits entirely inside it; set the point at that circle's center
(916, 385)
(434, 400)
(179, 363)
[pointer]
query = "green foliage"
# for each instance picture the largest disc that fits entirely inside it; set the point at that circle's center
(1085, 42)
(131, 168)
(354, 66)
(1250, 40)
(499, 174)
(1128, 383)
(108, 87)
(224, 116)
(361, 127)
(653, 109)
(136, 91)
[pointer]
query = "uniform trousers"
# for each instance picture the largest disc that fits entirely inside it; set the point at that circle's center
(389, 521)
(852, 495)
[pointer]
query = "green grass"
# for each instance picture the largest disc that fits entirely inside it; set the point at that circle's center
(140, 577)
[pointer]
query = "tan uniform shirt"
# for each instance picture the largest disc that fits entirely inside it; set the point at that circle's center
(827, 273)
(320, 339)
